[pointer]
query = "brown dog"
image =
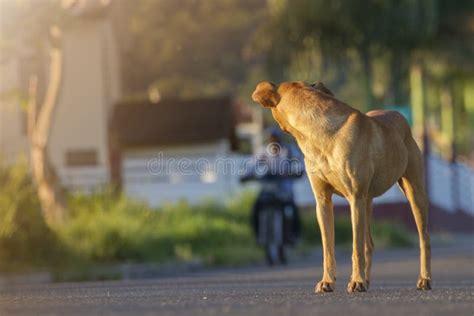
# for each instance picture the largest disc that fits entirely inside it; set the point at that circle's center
(356, 156)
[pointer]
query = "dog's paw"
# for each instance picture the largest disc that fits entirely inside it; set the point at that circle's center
(353, 286)
(423, 284)
(324, 287)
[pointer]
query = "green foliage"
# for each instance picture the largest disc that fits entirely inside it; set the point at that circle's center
(339, 26)
(25, 240)
(385, 234)
(363, 49)
(109, 228)
(105, 227)
(187, 48)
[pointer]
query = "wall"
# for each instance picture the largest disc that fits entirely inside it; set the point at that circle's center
(91, 85)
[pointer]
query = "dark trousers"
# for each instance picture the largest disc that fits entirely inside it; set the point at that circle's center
(292, 225)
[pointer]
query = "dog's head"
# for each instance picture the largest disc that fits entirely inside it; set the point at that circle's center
(291, 102)
(269, 94)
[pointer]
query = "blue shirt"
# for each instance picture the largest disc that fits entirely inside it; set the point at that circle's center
(279, 159)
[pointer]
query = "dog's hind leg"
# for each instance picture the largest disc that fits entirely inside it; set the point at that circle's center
(369, 243)
(412, 185)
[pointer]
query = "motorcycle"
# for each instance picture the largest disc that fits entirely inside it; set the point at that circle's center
(274, 221)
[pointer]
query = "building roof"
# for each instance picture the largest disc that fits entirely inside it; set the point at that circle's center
(172, 122)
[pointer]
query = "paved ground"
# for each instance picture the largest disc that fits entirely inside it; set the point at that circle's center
(262, 291)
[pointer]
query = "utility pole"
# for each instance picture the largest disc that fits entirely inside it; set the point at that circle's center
(448, 127)
(418, 105)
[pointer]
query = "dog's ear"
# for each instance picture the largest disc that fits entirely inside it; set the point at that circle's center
(266, 94)
(321, 87)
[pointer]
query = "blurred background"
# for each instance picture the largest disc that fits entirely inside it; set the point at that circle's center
(98, 97)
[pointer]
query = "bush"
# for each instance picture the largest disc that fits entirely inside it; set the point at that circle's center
(105, 227)
(25, 239)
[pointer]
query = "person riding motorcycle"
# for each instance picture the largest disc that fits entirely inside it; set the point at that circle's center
(276, 166)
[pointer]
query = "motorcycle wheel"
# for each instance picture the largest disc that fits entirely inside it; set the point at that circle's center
(282, 255)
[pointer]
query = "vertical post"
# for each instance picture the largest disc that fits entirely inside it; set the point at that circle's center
(468, 96)
(469, 100)
(417, 101)
(366, 64)
(418, 106)
(115, 156)
(448, 126)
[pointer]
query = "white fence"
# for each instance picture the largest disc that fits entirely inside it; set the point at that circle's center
(84, 178)
(160, 181)
(443, 178)
(157, 187)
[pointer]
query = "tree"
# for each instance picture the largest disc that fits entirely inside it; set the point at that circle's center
(369, 28)
(405, 37)
(50, 191)
(187, 48)
(26, 27)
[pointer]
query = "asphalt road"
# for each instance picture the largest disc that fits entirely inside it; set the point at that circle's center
(263, 291)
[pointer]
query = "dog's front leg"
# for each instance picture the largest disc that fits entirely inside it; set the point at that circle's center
(357, 283)
(325, 216)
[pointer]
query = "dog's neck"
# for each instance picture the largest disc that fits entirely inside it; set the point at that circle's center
(314, 119)
(318, 116)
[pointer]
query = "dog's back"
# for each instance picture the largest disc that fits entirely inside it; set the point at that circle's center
(392, 119)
